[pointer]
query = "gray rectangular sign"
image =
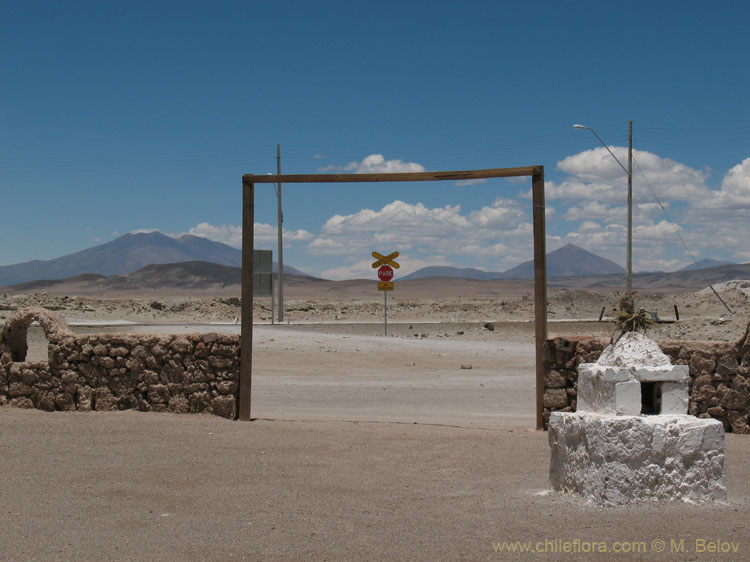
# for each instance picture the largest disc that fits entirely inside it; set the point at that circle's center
(262, 273)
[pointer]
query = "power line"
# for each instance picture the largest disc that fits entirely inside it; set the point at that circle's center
(677, 231)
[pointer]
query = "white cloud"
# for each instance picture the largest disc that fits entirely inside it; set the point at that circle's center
(397, 221)
(656, 232)
(501, 214)
(497, 236)
(594, 210)
(140, 231)
(596, 176)
(592, 214)
(322, 245)
(591, 210)
(735, 189)
(375, 164)
(589, 226)
(470, 182)
(594, 194)
(264, 234)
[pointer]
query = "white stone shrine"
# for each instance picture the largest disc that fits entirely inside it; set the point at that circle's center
(631, 438)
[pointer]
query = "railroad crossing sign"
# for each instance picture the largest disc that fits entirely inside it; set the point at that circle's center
(385, 260)
(385, 273)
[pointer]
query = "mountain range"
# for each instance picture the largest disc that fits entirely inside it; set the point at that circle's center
(705, 264)
(195, 277)
(127, 254)
(567, 261)
(155, 260)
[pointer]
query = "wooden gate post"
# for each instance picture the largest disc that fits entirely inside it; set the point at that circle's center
(246, 334)
(540, 258)
(540, 287)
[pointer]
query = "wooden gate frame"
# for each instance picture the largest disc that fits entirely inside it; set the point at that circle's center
(248, 245)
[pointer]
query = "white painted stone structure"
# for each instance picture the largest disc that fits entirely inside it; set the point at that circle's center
(631, 439)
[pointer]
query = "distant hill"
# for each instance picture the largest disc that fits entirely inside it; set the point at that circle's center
(691, 279)
(125, 255)
(706, 264)
(568, 261)
(447, 271)
(289, 270)
(189, 277)
(180, 276)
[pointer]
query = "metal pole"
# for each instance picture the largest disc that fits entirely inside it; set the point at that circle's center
(246, 333)
(385, 313)
(280, 222)
(630, 208)
(540, 287)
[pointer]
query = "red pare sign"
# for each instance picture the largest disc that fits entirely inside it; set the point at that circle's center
(385, 273)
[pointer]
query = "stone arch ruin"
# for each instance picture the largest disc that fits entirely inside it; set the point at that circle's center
(13, 338)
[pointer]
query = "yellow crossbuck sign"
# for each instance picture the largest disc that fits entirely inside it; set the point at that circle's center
(385, 260)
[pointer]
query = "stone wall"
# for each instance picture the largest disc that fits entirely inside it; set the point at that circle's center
(719, 376)
(175, 373)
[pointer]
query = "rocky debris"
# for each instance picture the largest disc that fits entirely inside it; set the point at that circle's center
(742, 285)
(700, 314)
(633, 349)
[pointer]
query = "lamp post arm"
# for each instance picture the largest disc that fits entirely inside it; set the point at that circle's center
(604, 144)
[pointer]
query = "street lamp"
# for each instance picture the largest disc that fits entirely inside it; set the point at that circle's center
(629, 172)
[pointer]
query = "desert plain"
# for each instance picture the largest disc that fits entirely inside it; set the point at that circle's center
(419, 445)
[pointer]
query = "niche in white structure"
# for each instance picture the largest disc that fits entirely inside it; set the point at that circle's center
(631, 438)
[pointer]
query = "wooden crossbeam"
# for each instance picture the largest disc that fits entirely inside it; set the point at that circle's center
(540, 262)
(389, 177)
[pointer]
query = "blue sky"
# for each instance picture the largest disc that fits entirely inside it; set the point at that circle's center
(116, 118)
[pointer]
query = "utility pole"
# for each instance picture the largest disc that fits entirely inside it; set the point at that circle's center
(630, 208)
(629, 172)
(280, 229)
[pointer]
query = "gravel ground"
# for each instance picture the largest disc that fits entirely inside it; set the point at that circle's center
(363, 448)
(145, 486)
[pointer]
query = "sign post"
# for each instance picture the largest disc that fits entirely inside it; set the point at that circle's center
(385, 274)
(385, 313)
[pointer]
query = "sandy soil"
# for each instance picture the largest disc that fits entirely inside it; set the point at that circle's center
(363, 447)
(144, 486)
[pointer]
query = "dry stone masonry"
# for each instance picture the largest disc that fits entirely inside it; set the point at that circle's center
(172, 373)
(631, 439)
(718, 376)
